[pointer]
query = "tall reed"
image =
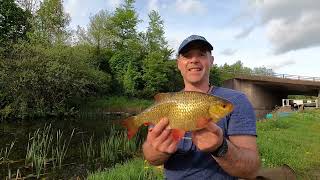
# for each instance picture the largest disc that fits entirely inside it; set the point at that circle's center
(5, 153)
(88, 150)
(59, 150)
(39, 146)
(116, 147)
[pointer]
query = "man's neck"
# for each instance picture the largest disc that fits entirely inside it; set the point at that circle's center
(204, 87)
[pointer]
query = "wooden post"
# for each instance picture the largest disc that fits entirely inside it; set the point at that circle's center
(318, 100)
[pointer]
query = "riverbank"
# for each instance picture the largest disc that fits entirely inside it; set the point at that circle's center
(116, 104)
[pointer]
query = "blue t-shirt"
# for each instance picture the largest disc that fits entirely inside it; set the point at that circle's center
(188, 163)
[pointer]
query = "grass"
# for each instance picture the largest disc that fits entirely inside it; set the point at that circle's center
(293, 140)
(135, 169)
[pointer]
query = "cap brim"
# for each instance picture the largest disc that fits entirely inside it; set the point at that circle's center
(204, 44)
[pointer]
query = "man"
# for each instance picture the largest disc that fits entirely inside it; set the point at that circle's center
(226, 150)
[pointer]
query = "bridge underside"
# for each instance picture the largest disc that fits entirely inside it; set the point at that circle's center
(265, 93)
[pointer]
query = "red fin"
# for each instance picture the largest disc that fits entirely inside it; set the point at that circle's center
(177, 134)
(161, 96)
(130, 125)
(147, 123)
(202, 122)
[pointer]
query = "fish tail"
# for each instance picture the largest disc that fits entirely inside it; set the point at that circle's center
(131, 126)
(177, 134)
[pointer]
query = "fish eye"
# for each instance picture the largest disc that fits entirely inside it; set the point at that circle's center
(224, 106)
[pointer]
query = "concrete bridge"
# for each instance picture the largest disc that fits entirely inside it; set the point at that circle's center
(266, 92)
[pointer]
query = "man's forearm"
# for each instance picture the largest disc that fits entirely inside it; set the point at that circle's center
(239, 162)
(153, 156)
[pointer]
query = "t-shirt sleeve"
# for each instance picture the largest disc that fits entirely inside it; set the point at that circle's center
(242, 121)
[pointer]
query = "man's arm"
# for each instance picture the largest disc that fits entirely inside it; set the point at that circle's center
(241, 160)
(159, 144)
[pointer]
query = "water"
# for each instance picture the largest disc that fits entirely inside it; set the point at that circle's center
(88, 125)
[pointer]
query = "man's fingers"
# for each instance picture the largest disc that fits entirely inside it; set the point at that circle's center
(159, 127)
(214, 128)
(165, 144)
(194, 136)
(161, 138)
(172, 147)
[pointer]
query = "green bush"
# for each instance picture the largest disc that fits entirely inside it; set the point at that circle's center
(40, 81)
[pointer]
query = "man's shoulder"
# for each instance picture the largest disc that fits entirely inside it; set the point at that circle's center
(229, 94)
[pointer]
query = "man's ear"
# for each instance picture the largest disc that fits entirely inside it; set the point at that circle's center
(177, 63)
(211, 60)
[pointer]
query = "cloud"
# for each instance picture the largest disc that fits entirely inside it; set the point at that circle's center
(245, 32)
(285, 63)
(153, 5)
(190, 7)
(299, 34)
(114, 3)
(229, 52)
(291, 24)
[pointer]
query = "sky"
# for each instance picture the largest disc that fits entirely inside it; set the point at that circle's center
(283, 35)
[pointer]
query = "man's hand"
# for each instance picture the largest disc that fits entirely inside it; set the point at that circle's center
(159, 144)
(160, 137)
(209, 138)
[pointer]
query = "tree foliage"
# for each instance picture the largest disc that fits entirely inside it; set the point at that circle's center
(99, 31)
(13, 24)
(50, 23)
(155, 64)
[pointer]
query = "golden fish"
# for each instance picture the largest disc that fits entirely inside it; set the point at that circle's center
(186, 111)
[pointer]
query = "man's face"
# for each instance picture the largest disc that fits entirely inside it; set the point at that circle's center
(195, 65)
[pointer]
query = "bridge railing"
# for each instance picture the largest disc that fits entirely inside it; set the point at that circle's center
(283, 76)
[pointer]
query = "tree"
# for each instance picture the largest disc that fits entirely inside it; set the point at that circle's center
(230, 71)
(155, 33)
(154, 65)
(215, 76)
(262, 71)
(124, 21)
(130, 80)
(13, 24)
(155, 73)
(128, 46)
(98, 36)
(50, 23)
(29, 5)
(98, 32)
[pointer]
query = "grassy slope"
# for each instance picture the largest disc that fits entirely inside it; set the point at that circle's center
(292, 140)
(136, 169)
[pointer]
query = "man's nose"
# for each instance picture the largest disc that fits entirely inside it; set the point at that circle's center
(194, 59)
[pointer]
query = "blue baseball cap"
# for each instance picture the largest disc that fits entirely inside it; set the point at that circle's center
(193, 38)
